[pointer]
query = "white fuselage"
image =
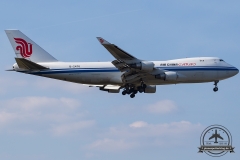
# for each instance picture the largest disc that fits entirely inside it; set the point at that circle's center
(189, 70)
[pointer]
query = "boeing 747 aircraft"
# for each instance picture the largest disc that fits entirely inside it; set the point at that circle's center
(126, 72)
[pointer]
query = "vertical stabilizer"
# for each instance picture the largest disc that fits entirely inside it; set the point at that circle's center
(24, 47)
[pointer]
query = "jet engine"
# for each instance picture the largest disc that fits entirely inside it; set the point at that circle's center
(167, 76)
(144, 66)
(150, 89)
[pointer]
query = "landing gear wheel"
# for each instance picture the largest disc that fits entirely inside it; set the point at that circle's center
(132, 95)
(215, 89)
(140, 89)
(124, 92)
(130, 91)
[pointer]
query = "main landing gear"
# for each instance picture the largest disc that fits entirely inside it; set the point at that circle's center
(129, 90)
(215, 89)
(132, 90)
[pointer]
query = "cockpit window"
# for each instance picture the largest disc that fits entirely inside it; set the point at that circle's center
(221, 60)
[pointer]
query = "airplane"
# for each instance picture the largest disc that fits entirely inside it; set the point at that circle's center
(126, 72)
(216, 136)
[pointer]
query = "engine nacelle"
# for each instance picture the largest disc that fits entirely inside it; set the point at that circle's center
(167, 76)
(171, 76)
(144, 66)
(150, 89)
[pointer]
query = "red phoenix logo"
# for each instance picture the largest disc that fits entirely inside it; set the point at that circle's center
(24, 47)
(101, 40)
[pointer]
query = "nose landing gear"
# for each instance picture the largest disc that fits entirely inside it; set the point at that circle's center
(215, 89)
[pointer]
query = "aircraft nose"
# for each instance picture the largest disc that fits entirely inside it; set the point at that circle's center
(235, 71)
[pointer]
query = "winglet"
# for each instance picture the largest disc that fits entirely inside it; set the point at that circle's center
(102, 41)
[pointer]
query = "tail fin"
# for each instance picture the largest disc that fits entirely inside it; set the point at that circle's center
(24, 47)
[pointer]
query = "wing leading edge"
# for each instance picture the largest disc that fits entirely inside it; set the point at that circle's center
(136, 69)
(117, 52)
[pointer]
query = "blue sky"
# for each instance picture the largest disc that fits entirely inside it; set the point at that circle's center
(48, 119)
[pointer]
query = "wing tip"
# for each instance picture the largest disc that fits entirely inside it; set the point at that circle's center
(102, 41)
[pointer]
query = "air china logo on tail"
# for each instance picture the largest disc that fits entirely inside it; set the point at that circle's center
(24, 47)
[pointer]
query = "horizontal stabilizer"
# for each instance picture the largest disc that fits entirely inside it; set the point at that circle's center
(28, 65)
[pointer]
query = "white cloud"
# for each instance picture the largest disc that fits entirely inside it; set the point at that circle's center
(34, 103)
(138, 124)
(64, 129)
(142, 134)
(107, 144)
(144, 129)
(57, 115)
(162, 107)
(6, 117)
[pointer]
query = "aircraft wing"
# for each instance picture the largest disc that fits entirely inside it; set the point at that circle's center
(117, 52)
(219, 136)
(137, 69)
(213, 136)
